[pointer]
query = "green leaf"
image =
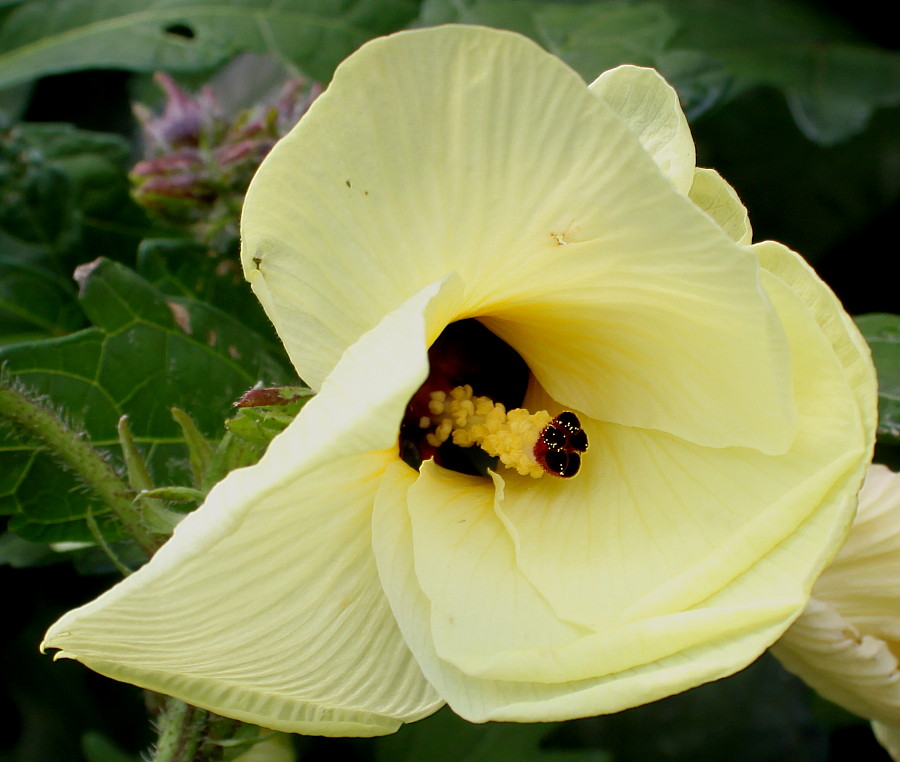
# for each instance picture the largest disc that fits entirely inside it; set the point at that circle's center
(444, 737)
(175, 494)
(274, 747)
(833, 81)
(589, 37)
(597, 37)
(259, 424)
(95, 165)
(65, 197)
(182, 267)
(20, 553)
(145, 353)
(47, 37)
(882, 332)
(98, 748)
(179, 267)
(516, 15)
(38, 206)
(710, 51)
(45, 502)
(34, 301)
(199, 450)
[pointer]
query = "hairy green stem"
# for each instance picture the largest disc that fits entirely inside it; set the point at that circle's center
(181, 730)
(76, 453)
(189, 734)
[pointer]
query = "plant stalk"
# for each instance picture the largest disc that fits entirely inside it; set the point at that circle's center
(181, 732)
(79, 456)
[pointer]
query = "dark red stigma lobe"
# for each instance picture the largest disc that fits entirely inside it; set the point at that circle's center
(560, 444)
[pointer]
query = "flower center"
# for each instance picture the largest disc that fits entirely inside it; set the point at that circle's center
(467, 416)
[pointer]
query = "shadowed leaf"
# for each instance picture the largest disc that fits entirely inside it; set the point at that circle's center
(41, 38)
(145, 353)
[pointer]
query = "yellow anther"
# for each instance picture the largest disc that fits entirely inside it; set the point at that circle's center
(479, 421)
(461, 392)
(436, 405)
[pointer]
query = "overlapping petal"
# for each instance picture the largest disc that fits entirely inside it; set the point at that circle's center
(656, 557)
(847, 641)
(655, 513)
(718, 199)
(651, 109)
(863, 582)
(478, 698)
(570, 240)
(466, 565)
(853, 669)
(889, 737)
(265, 605)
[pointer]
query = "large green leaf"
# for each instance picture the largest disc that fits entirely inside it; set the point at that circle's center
(181, 267)
(817, 200)
(38, 206)
(95, 165)
(593, 39)
(882, 332)
(711, 50)
(34, 301)
(65, 197)
(49, 37)
(145, 353)
(832, 81)
(589, 37)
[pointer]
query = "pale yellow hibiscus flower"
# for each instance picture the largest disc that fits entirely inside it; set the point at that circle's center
(553, 244)
(847, 641)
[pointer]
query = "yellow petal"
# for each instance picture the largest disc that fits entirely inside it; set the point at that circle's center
(266, 604)
(889, 737)
(423, 157)
(855, 670)
(668, 338)
(718, 199)
(466, 566)
(652, 110)
(489, 621)
(681, 564)
(479, 699)
(655, 524)
(863, 581)
(845, 645)
(838, 327)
